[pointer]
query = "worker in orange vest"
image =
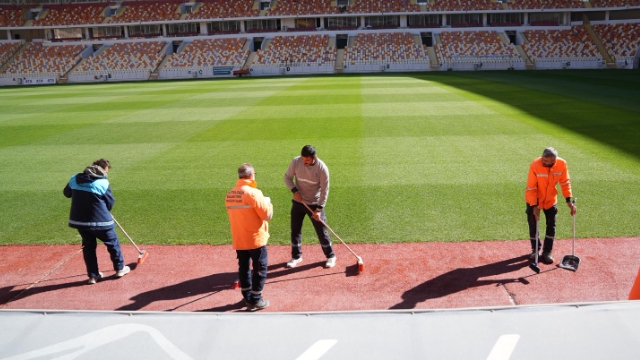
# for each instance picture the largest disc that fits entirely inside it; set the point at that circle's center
(545, 173)
(249, 213)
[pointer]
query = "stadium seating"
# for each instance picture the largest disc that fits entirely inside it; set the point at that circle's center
(303, 7)
(620, 40)
(561, 45)
(7, 50)
(11, 16)
(208, 53)
(40, 60)
(140, 11)
(224, 9)
(614, 3)
(71, 14)
(386, 7)
(385, 48)
(475, 46)
(136, 56)
(463, 5)
(301, 50)
(545, 4)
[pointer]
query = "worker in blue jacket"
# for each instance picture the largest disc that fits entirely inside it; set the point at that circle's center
(91, 203)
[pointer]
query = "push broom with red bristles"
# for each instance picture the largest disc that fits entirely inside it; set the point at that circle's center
(360, 262)
(142, 254)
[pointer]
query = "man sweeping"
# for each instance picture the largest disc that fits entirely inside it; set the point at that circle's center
(545, 173)
(249, 213)
(308, 179)
(91, 203)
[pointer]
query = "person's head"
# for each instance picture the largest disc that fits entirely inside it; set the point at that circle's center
(246, 171)
(549, 156)
(103, 163)
(308, 155)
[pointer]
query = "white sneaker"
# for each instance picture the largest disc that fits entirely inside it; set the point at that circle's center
(331, 262)
(94, 279)
(122, 272)
(293, 262)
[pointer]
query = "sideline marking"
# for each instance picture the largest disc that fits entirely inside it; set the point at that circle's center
(318, 349)
(94, 339)
(504, 347)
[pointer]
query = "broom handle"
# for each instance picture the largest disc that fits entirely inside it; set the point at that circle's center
(125, 233)
(333, 232)
(573, 243)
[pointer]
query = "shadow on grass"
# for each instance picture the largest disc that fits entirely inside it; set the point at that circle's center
(599, 104)
(462, 279)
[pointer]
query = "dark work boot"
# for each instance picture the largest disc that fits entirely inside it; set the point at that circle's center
(547, 258)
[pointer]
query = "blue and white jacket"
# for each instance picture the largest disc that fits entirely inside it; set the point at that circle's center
(91, 202)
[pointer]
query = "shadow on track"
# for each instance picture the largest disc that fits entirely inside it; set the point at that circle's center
(462, 279)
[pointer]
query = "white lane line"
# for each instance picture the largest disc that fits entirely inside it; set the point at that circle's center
(317, 350)
(504, 347)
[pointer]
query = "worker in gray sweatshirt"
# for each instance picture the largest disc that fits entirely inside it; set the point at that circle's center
(308, 179)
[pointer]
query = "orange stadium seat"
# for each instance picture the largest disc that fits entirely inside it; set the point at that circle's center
(209, 53)
(12, 16)
(72, 14)
(385, 48)
(7, 50)
(140, 11)
(134, 56)
(560, 45)
(620, 40)
(224, 9)
(474, 46)
(54, 60)
(301, 50)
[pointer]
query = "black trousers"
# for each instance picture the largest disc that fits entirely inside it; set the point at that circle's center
(298, 212)
(550, 231)
(252, 285)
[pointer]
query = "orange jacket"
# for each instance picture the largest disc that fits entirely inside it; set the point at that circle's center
(249, 212)
(541, 183)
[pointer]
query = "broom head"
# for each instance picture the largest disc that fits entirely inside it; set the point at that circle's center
(143, 256)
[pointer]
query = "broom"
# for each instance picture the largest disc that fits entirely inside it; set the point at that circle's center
(360, 262)
(142, 254)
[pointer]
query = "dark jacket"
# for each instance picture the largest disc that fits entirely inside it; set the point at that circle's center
(91, 202)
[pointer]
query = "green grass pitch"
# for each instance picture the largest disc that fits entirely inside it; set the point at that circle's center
(413, 157)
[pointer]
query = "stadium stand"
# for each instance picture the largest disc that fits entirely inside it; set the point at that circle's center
(303, 7)
(7, 50)
(11, 16)
(224, 9)
(200, 54)
(463, 5)
(124, 57)
(561, 45)
(71, 14)
(145, 11)
(614, 3)
(475, 47)
(385, 48)
(40, 60)
(386, 7)
(545, 4)
(301, 50)
(620, 40)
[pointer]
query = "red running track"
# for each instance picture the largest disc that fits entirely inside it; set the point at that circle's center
(396, 276)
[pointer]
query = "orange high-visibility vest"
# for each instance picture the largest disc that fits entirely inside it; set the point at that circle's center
(541, 183)
(249, 213)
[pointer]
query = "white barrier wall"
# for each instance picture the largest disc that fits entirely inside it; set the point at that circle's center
(83, 77)
(386, 67)
(570, 64)
(290, 70)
